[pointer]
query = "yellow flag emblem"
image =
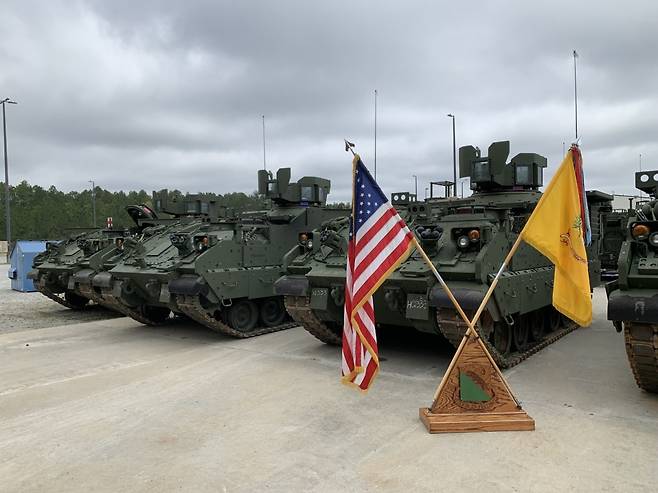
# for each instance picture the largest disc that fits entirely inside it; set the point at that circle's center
(556, 229)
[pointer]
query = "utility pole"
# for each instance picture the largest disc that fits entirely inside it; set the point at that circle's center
(7, 211)
(264, 163)
(454, 155)
(375, 134)
(93, 200)
(575, 90)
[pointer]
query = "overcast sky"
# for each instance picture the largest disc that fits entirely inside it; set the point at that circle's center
(155, 94)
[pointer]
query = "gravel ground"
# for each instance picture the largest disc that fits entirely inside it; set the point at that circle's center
(23, 311)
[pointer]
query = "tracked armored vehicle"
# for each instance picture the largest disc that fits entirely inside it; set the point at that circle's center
(220, 271)
(226, 280)
(54, 271)
(633, 297)
(467, 240)
(124, 280)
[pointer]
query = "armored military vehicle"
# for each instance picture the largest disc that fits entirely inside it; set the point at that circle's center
(54, 270)
(467, 240)
(124, 280)
(633, 297)
(220, 272)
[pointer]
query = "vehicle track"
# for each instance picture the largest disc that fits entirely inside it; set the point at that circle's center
(642, 351)
(191, 306)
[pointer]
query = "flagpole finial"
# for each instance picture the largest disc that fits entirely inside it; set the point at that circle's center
(349, 147)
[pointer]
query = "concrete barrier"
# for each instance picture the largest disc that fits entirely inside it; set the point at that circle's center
(3, 248)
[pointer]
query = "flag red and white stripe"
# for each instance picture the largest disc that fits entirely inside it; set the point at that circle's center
(379, 242)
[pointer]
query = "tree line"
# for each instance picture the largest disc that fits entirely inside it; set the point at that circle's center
(39, 213)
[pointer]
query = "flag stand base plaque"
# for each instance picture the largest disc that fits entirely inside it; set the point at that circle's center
(473, 395)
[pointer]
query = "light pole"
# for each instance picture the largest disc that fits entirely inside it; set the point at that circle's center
(93, 199)
(454, 155)
(575, 91)
(415, 185)
(7, 213)
(375, 134)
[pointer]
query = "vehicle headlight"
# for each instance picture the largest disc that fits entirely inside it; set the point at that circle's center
(653, 239)
(463, 241)
(306, 240)
(640, 231)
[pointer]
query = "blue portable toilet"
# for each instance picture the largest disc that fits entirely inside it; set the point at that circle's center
(21, 259)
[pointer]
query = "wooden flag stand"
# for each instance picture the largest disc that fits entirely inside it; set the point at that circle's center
(473, 395)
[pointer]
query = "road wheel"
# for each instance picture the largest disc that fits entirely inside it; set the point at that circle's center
(537, 323)
(272, 311)
(520, 330)
(243, 315)
(485, 324)
(554, 319)
(502, 337)
(78, 302)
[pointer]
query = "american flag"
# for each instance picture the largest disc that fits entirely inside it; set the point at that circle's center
(379, 242)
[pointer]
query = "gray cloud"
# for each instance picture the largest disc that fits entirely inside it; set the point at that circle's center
(169, 94)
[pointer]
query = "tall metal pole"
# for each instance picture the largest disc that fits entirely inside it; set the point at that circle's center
(375, 134)
(454, 156)
(7, 210)
(575, 90)
(264, 163)
(415, 185)
(93, 200)
(640, 161)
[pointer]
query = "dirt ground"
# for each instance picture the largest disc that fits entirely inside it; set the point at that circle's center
(22, 311)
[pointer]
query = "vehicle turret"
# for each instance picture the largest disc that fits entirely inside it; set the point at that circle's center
(493, 172)
(177, 204)
(309, 190)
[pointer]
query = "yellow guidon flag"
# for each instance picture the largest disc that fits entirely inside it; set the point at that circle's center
(559, 229)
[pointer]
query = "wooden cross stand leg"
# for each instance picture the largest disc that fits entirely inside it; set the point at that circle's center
(473, 394)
